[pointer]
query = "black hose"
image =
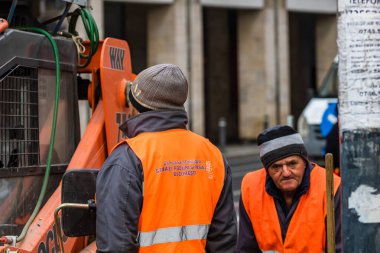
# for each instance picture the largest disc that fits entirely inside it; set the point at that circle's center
(11, 12)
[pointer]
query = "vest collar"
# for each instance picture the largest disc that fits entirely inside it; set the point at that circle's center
(154, 121)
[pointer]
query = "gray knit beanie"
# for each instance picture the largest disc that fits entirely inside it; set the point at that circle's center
(159, 87)
(278, 142)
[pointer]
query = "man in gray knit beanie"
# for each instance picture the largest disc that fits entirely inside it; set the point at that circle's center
(160, 87)
(165, 188)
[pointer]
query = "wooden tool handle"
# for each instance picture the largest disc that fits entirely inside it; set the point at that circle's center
(330, 203)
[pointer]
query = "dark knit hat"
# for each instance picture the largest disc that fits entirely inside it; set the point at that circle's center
(159, 87)
(279, 142)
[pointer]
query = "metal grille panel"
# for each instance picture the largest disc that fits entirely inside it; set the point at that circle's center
(19, 133)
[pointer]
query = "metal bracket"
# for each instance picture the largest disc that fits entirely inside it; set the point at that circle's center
(13, 240)
(82, 3)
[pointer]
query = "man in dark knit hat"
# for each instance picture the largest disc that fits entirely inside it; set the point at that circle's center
(165, 188)
(282, 206)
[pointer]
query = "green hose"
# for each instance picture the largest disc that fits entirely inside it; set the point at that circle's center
(53, 129)
(91, 31)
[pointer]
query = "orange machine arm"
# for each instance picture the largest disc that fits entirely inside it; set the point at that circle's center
(112, 61)
(90, 153)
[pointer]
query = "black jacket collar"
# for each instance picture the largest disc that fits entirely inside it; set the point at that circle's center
(154, 121)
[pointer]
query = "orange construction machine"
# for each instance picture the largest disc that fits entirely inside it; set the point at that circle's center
(44, 72)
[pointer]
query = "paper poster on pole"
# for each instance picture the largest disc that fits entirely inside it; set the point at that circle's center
(359, 63)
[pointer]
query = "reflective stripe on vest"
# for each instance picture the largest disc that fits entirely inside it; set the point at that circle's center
(173, 234)
(273, 251)
(306, 231)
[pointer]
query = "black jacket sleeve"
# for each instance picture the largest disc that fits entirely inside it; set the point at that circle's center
(223, 232)
(247, 242)
(338, 220)
(119, 202)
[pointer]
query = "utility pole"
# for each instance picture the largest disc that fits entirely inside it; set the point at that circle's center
(359, 115)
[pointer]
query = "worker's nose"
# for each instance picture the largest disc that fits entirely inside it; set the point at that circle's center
(285, 170)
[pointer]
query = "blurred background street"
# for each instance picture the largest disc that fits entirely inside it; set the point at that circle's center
(242, 159)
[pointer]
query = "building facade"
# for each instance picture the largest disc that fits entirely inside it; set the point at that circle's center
(251, 62)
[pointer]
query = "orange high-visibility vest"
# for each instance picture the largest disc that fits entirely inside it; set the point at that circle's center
(306, 231)
(183, 179)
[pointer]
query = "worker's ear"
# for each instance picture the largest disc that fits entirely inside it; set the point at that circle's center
(78, 202)
(133, 111)
(127, 89)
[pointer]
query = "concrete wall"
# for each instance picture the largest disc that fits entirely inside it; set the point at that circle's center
(312, 6)
(219, 71)
(241, 4)
(135, 30)
(97, 13)
(195, 54)
(326, 45)
(146, 1)
(302, 60)
(283, 63)
(174, 33)
(175, 36)
(252, 76)
(263, 68)
(167, 37)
